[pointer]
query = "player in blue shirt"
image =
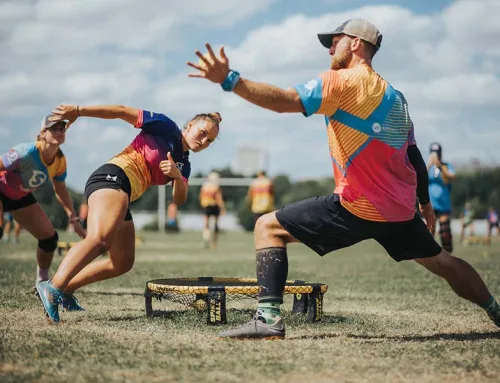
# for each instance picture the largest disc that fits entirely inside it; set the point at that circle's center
(441, 176)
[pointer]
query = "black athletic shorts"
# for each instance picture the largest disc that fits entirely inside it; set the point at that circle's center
(212, 210)
(324, 225)
(109, 176)
(16, 204)
(494, 224)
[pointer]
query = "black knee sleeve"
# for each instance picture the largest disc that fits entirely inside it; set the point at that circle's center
(1, 232)
(445, 234)
(50, 244)
(216, 228)
(272, 271)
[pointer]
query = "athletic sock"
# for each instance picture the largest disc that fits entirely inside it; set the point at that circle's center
(269, 311)
(492, 307)
(272, 271)
(42, 274)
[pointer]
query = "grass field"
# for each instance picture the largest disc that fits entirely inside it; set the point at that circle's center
(383, 321)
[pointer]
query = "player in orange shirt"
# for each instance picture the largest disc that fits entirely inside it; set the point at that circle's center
(378, 170)
(159, 154)
(212, 201)
(260, 195)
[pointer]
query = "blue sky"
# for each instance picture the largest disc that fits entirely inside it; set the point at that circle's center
(443, 55)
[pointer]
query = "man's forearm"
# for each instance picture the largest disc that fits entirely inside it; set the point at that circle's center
(269, 96)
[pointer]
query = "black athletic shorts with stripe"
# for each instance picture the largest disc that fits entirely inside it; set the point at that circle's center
(109, 176)
(324, 225)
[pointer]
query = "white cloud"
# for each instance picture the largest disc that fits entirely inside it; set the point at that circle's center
(127, 52)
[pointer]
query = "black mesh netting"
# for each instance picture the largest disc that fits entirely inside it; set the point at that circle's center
(194, 292)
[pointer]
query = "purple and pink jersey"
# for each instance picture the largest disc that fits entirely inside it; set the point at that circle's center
(141, 159)
(369, 130)
(25, 170)
(492, 217)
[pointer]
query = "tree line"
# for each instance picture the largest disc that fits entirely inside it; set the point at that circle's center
(481, 188)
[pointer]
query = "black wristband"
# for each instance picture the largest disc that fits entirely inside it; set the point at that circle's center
(78, 110)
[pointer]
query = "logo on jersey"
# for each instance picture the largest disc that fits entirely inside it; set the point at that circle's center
(11, 157)
(310, 86)
(37, 179)
(376, 127)
(179, 165)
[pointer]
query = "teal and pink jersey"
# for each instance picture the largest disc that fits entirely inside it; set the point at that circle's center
(369, 130)
(25, 170)
(141, 159)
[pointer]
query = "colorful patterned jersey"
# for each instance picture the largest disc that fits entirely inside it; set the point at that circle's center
(369, 130)
(492, 217)
(26, 170)
(141, 159)
(440, 187)
(208, 194)
(262, 196)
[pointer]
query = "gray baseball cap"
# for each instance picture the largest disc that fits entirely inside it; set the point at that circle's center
(47, 123)
(354, 27)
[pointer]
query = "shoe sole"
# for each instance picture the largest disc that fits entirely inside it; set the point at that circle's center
(49, 319)
(273, 337)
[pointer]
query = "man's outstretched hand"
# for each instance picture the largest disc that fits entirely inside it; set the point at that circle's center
(210, 66)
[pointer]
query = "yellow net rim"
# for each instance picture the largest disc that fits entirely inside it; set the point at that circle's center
(291, 287)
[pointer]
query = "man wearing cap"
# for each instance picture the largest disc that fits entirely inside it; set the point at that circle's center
(441, 176)
(379, 172)
(23, 169)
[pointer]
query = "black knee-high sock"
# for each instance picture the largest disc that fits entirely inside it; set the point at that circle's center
(272, 271)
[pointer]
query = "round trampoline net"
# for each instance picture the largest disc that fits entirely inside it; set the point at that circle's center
(210, 294)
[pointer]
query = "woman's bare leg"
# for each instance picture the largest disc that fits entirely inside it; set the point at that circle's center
(107, 209)
(121, 259)
(34, 219)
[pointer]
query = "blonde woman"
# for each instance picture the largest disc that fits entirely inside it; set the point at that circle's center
(159, 154)
(25, 168)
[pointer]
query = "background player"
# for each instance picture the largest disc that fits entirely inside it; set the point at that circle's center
(212, 201)
(441, 176)
(25, 168)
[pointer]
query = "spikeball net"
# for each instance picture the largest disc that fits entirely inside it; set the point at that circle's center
(211, 294)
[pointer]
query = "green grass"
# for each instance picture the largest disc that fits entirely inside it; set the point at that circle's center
(383, 321)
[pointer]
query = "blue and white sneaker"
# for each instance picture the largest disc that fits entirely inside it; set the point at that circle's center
(51, 298)
(70, 303)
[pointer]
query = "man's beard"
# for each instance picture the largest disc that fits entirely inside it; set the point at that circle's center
(341, 62)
